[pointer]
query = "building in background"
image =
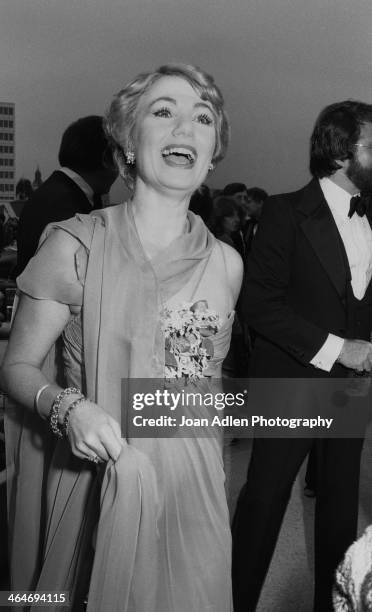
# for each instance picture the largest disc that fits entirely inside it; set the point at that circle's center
(7, 151)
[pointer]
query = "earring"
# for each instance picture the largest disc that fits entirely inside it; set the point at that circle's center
(210, 167)
(130, 158)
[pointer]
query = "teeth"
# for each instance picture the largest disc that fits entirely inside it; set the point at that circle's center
(179, 151)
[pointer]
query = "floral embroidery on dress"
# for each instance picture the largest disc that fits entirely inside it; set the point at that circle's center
(188, 332)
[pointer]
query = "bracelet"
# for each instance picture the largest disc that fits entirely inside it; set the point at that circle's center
(66, 418)
(37, 397)
(54, 411)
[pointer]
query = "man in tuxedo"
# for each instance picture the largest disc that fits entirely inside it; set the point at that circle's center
(308, 296)
(87, 172)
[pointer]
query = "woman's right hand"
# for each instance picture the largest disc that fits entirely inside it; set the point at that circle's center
(92, 432)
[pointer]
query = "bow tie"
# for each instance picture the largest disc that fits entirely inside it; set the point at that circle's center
(360, 204)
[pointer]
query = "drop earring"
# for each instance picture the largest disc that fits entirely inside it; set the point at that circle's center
(130, 158)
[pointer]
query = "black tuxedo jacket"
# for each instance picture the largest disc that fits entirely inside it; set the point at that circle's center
(297, 288)
(57, 199)
(249, 233)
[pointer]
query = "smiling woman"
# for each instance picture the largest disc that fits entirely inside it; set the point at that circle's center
(108, 284)
(173, 133)
(122, 116)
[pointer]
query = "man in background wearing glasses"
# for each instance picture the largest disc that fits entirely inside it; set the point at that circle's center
(308, 297)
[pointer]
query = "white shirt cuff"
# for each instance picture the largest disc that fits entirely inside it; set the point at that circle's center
(327, 355)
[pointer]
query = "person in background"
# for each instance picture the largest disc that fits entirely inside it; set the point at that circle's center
(251, 213)
(2, 222)
(201, 203)
(308, 296)
(87, 172)
(225, 223)
(225, 220)
(238, 193)
(353, 579)
(256, 197)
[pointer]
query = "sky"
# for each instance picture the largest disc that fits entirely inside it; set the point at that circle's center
(277, 62)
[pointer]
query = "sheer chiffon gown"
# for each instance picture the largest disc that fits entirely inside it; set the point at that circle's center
(152, 533)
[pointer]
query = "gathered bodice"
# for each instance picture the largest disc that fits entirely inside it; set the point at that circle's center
(73, 350)
(197, 288)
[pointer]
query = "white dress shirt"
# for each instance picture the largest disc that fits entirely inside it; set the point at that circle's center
(356, 234)
(83, 185)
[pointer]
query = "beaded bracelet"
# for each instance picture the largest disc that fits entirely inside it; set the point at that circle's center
(66, 418)
(54, 411)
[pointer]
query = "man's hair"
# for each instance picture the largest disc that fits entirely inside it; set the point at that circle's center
(84, 147)
(233, 188)
(257, 194)
(336, 131)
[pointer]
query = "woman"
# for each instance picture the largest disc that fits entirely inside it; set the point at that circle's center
(158, 539)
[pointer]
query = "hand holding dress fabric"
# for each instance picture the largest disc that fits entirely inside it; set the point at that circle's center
(94, 432)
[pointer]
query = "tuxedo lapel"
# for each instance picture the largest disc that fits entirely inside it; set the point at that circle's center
(321, 230)
(369, 215)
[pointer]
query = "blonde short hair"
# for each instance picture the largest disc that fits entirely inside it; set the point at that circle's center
(120, 118)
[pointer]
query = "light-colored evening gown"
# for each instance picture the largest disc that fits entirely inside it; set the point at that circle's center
(162, 543)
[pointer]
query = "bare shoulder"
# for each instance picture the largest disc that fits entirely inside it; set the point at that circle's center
(234, 268)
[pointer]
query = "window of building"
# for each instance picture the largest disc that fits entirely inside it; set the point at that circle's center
(4, 123)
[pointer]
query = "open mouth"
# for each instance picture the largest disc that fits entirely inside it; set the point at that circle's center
(179, 156)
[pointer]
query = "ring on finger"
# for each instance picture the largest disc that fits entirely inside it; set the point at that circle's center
(94, 458)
